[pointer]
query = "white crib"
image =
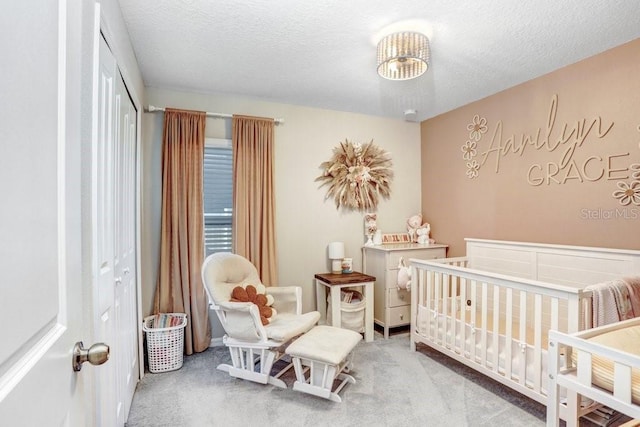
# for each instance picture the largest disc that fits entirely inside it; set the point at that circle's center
(492, 310)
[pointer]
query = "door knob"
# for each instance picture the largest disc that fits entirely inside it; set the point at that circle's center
(97, 354)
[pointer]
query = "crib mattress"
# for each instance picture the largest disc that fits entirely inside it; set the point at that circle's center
(625, 339)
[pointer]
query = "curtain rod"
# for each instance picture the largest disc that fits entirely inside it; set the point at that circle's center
(152, 109)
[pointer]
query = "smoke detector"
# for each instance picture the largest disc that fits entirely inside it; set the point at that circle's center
(410, 115)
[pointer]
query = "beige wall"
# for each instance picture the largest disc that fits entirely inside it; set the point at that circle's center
(305, 223)
(546, 192)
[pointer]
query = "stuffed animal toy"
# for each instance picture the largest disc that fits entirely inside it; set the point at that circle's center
(413, 223)
(404, 275)
(257, 295)
(423, 234)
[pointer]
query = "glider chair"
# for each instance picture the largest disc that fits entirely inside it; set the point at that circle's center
(254, 347)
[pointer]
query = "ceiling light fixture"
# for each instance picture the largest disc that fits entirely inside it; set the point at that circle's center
(403, 55)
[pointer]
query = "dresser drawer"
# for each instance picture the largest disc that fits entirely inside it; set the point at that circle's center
(399, 315)
(391, 279)
(398, 297)
(394, 258)
(427, 253)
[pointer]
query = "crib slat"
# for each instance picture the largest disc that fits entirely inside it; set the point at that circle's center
(422, 304)
(523, 338)
(454, 310)
(496, 327)
(422, 285)
(555, 314)
(553, 406)
(429, 319)
(463, 315)
(437, 292)
(445, 310)
(622, 382)
(473, 319)
(508, 333)
(484, 326)
(586, 320)
(583, 368)
(573, 307)
(537, 342)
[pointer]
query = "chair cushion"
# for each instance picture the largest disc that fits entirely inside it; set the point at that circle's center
(225, 271)
(285, 326)
(326, 344)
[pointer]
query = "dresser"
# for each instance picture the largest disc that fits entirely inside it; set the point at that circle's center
(392, 306)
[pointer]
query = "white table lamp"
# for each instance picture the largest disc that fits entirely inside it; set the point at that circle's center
(336, 253)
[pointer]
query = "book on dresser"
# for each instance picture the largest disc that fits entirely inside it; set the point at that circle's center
(392, 306)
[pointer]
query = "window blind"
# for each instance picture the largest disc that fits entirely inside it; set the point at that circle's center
(217, 188)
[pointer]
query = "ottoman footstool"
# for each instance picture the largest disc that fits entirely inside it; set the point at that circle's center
(328, 352)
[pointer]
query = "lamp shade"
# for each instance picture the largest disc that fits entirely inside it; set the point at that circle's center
(336, 250)
(403, 56)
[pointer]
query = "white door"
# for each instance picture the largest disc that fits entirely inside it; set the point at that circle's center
(41, 291)
(67, 220)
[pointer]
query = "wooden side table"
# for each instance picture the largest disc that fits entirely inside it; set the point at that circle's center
(335, 282)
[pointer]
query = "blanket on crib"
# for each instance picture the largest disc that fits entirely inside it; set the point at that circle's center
(615, 300)
(633, 286)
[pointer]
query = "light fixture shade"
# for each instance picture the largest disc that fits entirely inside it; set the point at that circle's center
(336, 250)
(403, 55)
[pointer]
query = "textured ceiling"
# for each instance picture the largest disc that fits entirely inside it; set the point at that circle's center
(322, 53)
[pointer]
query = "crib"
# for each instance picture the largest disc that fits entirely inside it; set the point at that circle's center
(492, 310)
(602, 364)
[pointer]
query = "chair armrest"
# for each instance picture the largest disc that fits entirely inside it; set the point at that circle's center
(241, 320)
(233, 305)
(286, 299)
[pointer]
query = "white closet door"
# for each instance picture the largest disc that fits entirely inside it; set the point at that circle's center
(114, 232)
(125, 251)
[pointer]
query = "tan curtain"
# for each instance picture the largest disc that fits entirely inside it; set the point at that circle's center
(253, 199)
(179, 287)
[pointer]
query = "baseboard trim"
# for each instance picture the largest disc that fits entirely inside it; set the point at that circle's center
(216, 342)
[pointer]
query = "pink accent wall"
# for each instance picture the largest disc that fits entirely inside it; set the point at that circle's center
(554, 152)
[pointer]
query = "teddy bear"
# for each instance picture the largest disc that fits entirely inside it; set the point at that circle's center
(257, 295)
(413, 223)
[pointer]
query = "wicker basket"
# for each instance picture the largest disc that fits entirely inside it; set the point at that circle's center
(165, 346)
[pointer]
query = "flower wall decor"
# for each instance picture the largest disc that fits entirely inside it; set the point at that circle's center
(357, 175)
(629, 193)
(477, 128)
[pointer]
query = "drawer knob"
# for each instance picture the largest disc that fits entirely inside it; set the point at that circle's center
(402, 317)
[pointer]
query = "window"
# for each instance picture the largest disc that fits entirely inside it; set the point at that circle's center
(218, 198)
